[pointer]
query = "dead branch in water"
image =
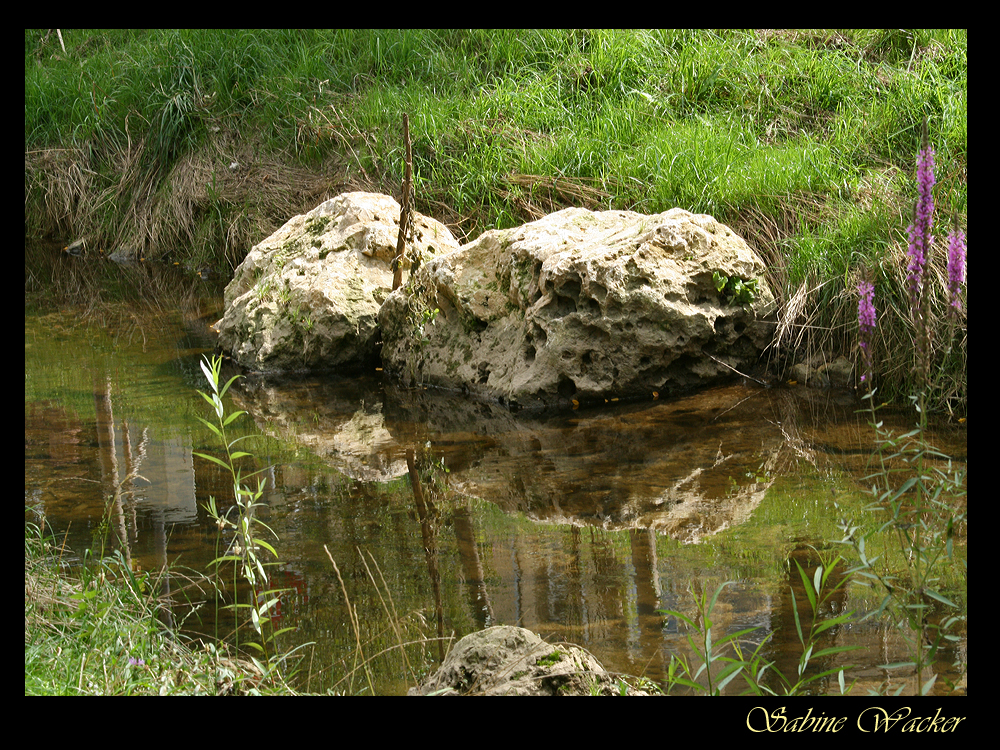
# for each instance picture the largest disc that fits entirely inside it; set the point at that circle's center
(743, 374)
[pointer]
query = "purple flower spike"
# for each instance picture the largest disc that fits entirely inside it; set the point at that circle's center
(921, 242)
(866, 324)
(956, 267)
(866, 308)
(920, 229)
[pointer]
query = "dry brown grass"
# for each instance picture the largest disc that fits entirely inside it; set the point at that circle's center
(536, 196)
(226, 197)
(63, 179)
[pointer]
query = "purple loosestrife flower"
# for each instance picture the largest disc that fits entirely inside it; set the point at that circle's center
(956, 268)
(866, 325)
(921, 242)
(920, 230)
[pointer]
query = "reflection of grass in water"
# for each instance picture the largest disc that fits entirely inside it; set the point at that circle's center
(400, 640)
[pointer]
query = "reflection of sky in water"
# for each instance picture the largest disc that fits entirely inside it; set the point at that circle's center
(166, 481)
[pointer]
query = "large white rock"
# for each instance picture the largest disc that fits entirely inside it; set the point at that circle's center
(308, 296)
(581, 305)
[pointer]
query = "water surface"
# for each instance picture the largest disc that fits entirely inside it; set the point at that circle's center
(580, 525)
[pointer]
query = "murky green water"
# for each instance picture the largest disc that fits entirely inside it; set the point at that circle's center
(579, 525)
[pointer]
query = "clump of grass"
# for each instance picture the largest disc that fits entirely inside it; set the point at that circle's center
(402, 641)
(100, 631)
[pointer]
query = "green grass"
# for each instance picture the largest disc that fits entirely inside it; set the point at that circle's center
(802, 141)
(96, 630)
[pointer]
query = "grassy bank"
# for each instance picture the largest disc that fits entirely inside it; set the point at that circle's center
(195, 145)
(100, 628)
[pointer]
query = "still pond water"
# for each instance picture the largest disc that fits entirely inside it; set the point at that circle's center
(579, 525)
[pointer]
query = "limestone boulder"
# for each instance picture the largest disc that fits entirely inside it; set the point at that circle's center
(583, 306)
(505, 660)
(308, 296)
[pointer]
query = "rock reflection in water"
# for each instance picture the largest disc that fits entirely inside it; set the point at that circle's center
(687, 468)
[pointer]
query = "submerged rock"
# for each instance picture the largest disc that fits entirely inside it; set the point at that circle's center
(308, 296)
(505, 660)
(582, 306)
(820, 372)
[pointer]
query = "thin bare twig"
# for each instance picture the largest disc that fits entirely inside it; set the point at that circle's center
(406, 210)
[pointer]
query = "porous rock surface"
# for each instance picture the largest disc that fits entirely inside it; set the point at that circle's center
(307, 297)
(581, 306)
(506, 660)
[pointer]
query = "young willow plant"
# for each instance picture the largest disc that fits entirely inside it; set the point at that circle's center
(818, 592)
(244, 550)
(754, 667)
(699, 638)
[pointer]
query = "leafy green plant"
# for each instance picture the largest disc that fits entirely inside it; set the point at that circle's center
(924, 516)
(419, 322)
(753, 666)
(699, 638)
(736, 289)
(818, 592)
(244, 548)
